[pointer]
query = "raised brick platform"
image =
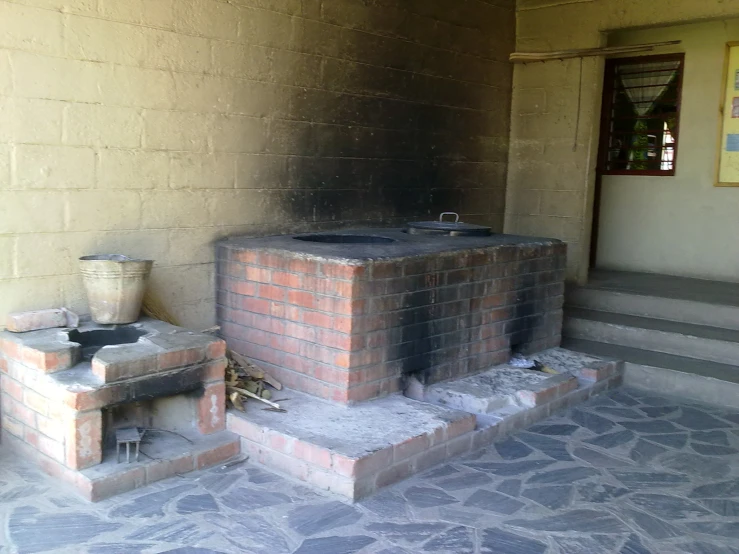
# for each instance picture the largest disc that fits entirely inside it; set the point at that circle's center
(348, 322)
(356, 450)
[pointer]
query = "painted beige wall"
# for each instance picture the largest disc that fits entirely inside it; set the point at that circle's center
(550, 183)
(679, 225)
(153, 127)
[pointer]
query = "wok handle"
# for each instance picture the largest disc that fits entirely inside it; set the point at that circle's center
(455, 214)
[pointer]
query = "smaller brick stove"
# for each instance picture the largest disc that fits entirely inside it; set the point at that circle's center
(66, 391)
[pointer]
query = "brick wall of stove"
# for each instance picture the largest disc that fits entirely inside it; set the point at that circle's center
(350, 333)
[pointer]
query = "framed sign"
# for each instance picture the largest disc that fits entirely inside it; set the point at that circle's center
(728, 154)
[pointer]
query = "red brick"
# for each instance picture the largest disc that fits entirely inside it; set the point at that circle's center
(3, 364)
(335, 377)
(385, 270)
(342, 271)
(244, 288)
(48, 362)
(12, 426)
(210, 409)
(258, 274)
(217, 455)
(364, 392)
(303, 299)
(430, 458)
(257, 305)
(246, 256)
(278, 442)
(52, 448)
(312, 454)
(11, 349)
(49, 426)
(245, 428)
(162, 469)
(302, 266)
(31, 437)
(395, 473)
(216, 350)
(271, 292)
(12, 387)
(599, 372)
(84, 436)
(411, 447)
(118, 483)
(272, 261)
(179, 358)
(21, 322)
(36, 402)
(342, 324)
(460, 427)
(318, 319)
(373, 463)
(284, 279)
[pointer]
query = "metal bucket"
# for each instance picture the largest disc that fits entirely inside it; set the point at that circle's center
(115, 286)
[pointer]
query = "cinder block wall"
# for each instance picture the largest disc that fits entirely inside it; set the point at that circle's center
(153, 127)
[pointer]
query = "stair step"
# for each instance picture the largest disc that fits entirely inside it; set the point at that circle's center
(662, 373)
(655, 306)
(689, 340)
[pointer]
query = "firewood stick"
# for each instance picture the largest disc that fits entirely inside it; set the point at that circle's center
(255, 397)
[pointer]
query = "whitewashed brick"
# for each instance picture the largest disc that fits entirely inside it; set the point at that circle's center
(171, 51)
(7, 255)
(232, 133)
(54, 167)
(202, 171)
(44, 35)
(203, 93)
(157, 13)
(241, 60)
(90, 210)
(31, 212)
(57, 78)
(207, 18)
(18, 295)
(176, 130)
(6, 74)
(53, 253)
(138, 87)
(132, 169)
(89, 125)
(174, 209)
(105, 41)
(5, 151)
(30, 121)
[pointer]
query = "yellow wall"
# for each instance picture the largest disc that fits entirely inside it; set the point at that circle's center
(679, 225)
(153, 127)
(550, 183)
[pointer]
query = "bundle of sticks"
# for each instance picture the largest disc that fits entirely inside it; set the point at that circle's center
(245, 381)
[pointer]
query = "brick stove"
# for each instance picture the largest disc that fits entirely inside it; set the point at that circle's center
(66, 391)
(350, 320)
(353, 321)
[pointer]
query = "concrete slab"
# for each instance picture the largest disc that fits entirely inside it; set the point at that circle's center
(507, 386)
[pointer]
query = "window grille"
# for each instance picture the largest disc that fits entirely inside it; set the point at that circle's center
(641, 115)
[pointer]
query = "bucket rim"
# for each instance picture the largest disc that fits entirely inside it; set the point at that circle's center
(118, 258)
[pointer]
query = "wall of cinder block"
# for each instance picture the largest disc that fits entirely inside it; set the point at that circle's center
(154, 127)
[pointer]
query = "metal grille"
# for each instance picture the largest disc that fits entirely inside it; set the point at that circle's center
(641, 115)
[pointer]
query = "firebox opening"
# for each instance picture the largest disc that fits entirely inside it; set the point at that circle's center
(345, 239)
(92, 341)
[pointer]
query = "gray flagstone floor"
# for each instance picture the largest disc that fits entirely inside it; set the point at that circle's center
(629, 472)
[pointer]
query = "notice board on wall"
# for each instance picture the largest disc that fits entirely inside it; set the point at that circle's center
(728, 158)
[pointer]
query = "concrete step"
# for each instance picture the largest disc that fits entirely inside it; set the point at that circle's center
(698, 380)
(655, 306)
(688, 340)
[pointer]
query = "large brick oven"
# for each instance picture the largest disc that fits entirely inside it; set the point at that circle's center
(353, 316)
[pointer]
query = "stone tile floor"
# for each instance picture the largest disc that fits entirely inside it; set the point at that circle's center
(628, 472)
